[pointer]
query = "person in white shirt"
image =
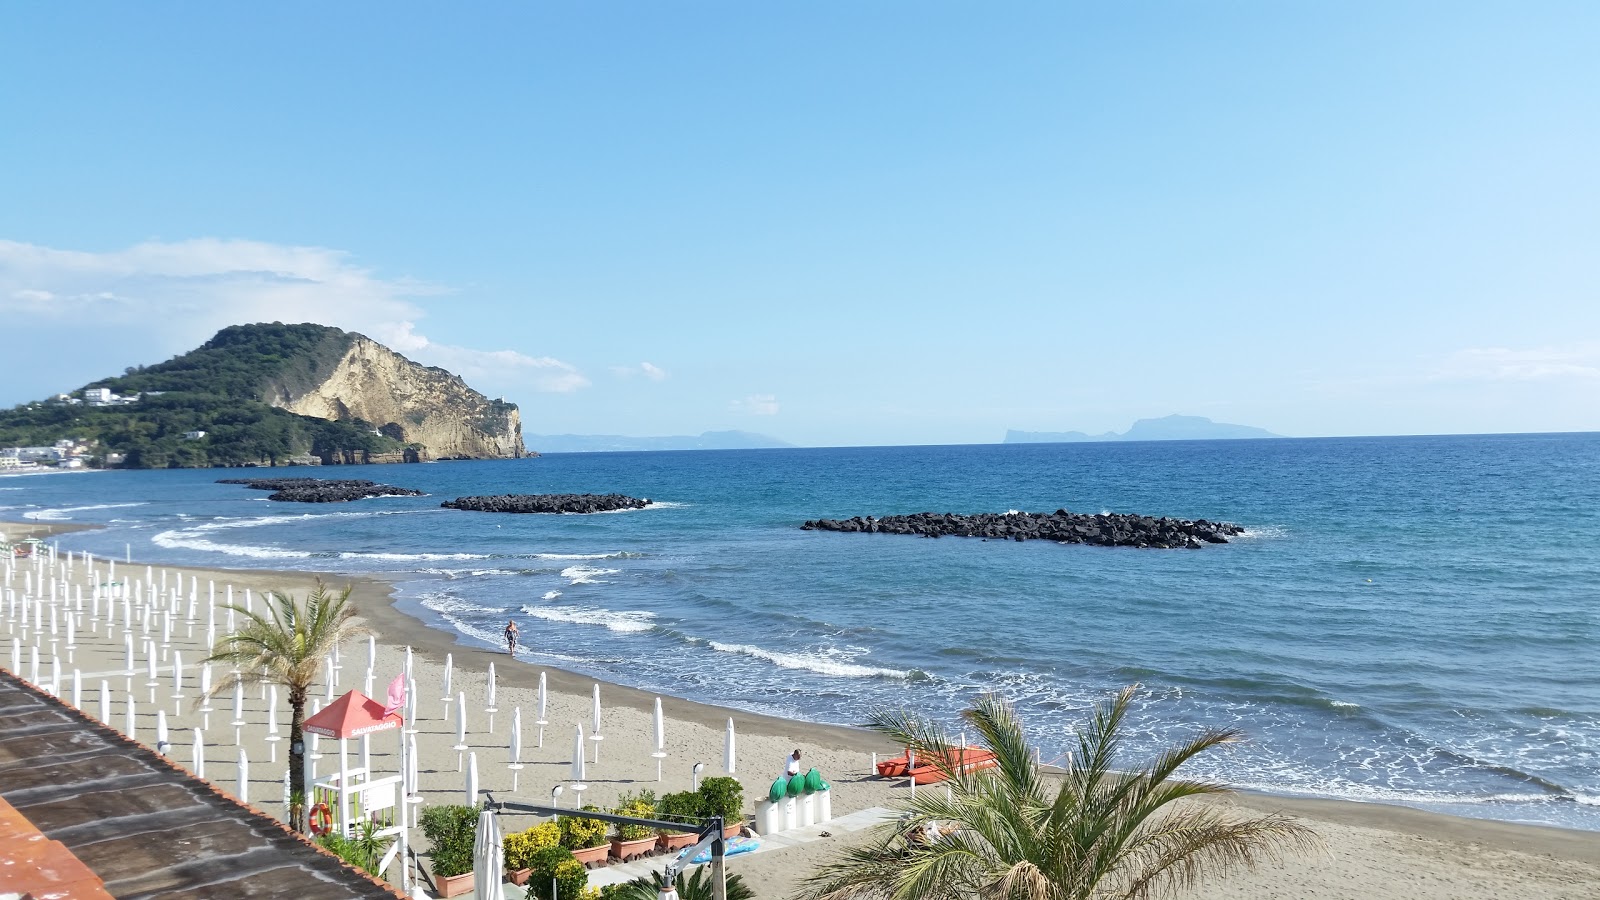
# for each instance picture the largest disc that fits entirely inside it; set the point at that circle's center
(793, 767)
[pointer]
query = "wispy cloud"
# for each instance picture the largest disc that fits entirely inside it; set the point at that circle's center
(1577, 360)
(174, 295)
(756, 405)
(647, 369)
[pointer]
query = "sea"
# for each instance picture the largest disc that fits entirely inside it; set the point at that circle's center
(1407, 620)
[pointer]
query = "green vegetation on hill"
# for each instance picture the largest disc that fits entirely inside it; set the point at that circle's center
(219, 389)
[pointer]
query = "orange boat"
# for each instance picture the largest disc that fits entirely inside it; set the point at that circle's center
(960, 759)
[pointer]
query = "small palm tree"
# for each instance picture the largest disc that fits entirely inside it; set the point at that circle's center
(286, 644)
(695, 887)
(1099, 834)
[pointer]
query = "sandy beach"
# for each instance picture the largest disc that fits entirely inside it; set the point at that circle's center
(1370, 851)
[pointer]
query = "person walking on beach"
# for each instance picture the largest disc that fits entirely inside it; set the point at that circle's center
(511, 637)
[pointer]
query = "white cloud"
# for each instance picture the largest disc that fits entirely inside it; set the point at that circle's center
(172, 296)
(756, 405)
(1579, 360)
(647, 369)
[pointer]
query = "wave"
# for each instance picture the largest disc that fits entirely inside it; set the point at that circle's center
(586, 574)
(550, 595)
(413, 557)
(475, 573)
(824, 662)
(1263, 532)
(60, 514)
(578, 556)
(627, 622)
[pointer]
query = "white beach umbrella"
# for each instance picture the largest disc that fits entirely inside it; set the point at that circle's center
(177, 682)
(72, 638)
(152, 680)
(488, 868)
(727, 749)
(661, 738)
(77, 689)
(272, 736)
(449, 666)
(199, 753)
(580, 771)
(205, 695)
(105, 702)
(594, 724)
(130, 724)
(243, 787)
(461, 728)
(515, 761)
(55, 675)
(488, 699)
(327, 662)
(238, 710)
(411, 705)
(544, 701)
(411, 771)
(162, 744)
(472, 778)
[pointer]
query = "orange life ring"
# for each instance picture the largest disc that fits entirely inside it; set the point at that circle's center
(320, 819)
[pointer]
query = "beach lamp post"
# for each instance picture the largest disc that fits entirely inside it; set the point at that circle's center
(461, 729)
(661, 739)
(515, 763)
(449, 665)
(544, 701)
(488, 699)
(594, 721)
(580, 771)
(273, 737)
(694, 773)
(238, 712)
(728, 749)
(555, 795)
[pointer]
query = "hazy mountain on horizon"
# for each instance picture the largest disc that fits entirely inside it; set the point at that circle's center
(611, 443)
(1167, 428)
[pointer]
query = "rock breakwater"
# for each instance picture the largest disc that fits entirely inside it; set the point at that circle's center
(321, 490)
(1102, 530)
(547, 503)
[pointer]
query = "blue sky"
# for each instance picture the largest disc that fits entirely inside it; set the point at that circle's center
(836, 223)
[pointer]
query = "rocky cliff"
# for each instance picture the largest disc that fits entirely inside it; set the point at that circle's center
(411, 403)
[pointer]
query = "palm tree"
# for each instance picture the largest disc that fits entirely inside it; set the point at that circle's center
(1010, 834)
(695, 887)
(286, 645)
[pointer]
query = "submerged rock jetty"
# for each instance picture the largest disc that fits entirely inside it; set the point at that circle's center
(1102, 530)
(321, 490)
(547, 503)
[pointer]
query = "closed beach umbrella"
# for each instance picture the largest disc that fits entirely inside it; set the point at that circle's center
(515, 762)
(449, 666)
(177, 681)
(105, 702)
(411, 767)
(488, 868)
(238, 710)
(205, 694)
(372, 652)
(411, 705)
(162, 746)
(472, 779)
(272, 737)
(461, 727)
(129, 725)
(727, 749)
(544, 700)
(199, 756)
(328, 663)
(580, 770)
(243, 787)
(661, 738)
(77, 689)
(488, 699)
(594, 724)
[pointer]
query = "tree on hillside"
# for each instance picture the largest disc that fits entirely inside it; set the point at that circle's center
(1014, 833)
(286, 644)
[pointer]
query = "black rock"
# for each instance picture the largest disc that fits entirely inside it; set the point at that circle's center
(1104, 530)
(547, 503)
(321, 490)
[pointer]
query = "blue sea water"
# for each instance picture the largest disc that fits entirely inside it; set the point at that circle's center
(1408, 620)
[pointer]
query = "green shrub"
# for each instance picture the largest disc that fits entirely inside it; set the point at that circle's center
(723, 796)
(578, 833)
(696, 886)
(639, 806)
(521, 845)
(558, 864)
(682, 806)
(451, 830)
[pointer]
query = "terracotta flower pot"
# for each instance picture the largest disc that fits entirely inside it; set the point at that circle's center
(593, 856)
(674, 841)
(627, 850)
(732, 831)
(454, 885)
(519, 877)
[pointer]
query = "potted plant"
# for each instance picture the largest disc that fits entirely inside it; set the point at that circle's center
(723, 796)
(683, 806)
(586, 838)
(556, 867)
(520, 847)
(451, 830)
(634, 841)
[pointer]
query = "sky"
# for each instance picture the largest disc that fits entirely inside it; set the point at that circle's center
(836, 223)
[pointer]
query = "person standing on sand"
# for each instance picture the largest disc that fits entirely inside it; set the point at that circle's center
(792, 767)
(511, 637)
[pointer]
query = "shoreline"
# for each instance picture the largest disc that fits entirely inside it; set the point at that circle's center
(1435, 846)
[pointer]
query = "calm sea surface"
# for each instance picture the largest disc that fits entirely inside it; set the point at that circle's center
(1412, 620)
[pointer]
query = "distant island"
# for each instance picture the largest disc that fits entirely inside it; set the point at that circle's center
(612, 443)
(1168, 428)
(265, 395)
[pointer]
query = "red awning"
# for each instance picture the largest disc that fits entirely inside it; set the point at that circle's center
(350, 716)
